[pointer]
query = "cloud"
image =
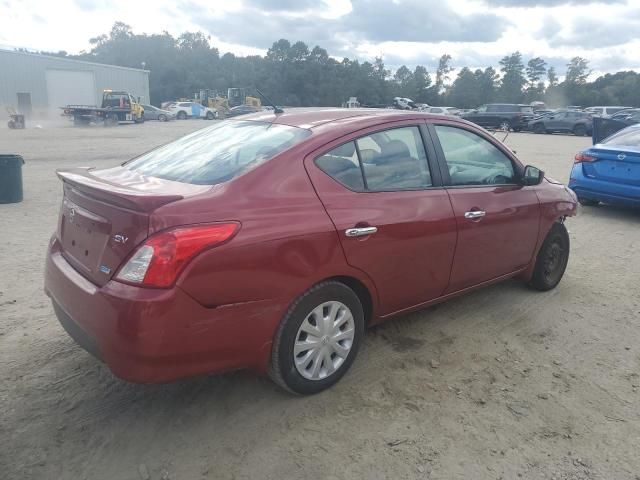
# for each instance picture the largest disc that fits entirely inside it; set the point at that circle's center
(548, 3)
(591, 33)
(282, 5)
(90, 5)
(369, 21)
(420, 21)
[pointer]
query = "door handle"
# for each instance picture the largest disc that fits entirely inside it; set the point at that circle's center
(474, 214)
(360, 232)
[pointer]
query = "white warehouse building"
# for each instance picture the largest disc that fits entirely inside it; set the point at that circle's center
(40, 84)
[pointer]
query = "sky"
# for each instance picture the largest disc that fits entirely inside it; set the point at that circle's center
(476, 33)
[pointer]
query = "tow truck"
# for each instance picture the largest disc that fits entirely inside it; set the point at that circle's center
(116, 107)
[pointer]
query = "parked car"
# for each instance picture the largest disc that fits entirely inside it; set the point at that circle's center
(604, 111)
(155, 113)
(630, 116)
(184, 110)
(578, 123)
(403, 103)
(443, 110)
(242, 110)
(609, 171)
(542, 113)
(273, 241)
(505, 116)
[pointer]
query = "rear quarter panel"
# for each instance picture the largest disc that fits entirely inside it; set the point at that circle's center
(285, 245)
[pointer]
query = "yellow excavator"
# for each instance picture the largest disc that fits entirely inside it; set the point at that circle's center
(235, 96)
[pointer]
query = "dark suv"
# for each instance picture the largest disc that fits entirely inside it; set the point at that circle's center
(578, 123)
(505, 116)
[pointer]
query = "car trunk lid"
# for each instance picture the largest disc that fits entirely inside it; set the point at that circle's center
(105, 215)
(617, 165)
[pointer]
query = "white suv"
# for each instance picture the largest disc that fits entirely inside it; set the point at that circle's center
(604, 111)
(184, 110)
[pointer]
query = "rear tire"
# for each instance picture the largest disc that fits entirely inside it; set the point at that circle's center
(111, 120)
(210, 116)
(182, 115)
(579, 130)
(552, 259)
(505, 125)
(538, 128)
(318, 339)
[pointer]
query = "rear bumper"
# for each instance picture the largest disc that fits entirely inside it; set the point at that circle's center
(158, 335)
(602, 191)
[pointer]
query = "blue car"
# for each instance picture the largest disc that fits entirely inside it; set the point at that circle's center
(609, 171)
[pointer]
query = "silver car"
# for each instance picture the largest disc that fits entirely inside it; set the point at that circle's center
(155, 113)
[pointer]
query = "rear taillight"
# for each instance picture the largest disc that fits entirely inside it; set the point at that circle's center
(161, 258)
(583, 157)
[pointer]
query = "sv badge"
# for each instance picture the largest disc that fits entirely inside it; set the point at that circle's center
(118, 238)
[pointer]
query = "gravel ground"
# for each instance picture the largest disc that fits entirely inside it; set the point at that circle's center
(504, 383)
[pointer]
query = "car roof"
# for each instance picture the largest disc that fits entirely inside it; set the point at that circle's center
(314, 117)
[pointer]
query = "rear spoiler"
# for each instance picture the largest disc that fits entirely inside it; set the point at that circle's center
(81, 180)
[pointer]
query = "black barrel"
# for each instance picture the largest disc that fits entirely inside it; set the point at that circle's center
(11, 178)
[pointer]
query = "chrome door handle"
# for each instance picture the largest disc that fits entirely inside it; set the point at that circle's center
(360, 232)
(473, 214)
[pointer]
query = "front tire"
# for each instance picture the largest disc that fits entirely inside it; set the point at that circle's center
(210, 116)
(182, 115)
(538, 128)
(552, 259)
(318, 339)
(586, 202)
(162, 118)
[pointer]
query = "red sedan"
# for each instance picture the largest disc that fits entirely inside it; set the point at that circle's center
(273, 242)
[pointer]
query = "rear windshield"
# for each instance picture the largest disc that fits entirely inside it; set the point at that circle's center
(629, 137)
(218, 153)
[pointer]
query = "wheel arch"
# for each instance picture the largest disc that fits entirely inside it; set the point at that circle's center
(361, 290)
(545, 230)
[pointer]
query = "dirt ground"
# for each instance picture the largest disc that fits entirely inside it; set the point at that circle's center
(504, 383)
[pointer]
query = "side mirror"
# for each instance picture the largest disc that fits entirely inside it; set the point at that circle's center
(532, 176)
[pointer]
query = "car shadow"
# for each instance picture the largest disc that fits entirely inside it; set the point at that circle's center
(614, 212)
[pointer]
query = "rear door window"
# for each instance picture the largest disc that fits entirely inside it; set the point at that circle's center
(343, 165)
(390, 160)
(218, 153)
(473, 160)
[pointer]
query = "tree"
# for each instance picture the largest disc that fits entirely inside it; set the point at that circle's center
(405, 82)
(536, 68)
(422, 86)
(486, 81)
(464, 92)
(513, 78)
(293, 74)
(577, 71)
(442, 74)
(552, 77)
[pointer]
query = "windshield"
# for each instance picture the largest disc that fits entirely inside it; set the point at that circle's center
(219, 153)
(629, 137)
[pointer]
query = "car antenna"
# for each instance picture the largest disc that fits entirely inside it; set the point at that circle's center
(268, 101)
